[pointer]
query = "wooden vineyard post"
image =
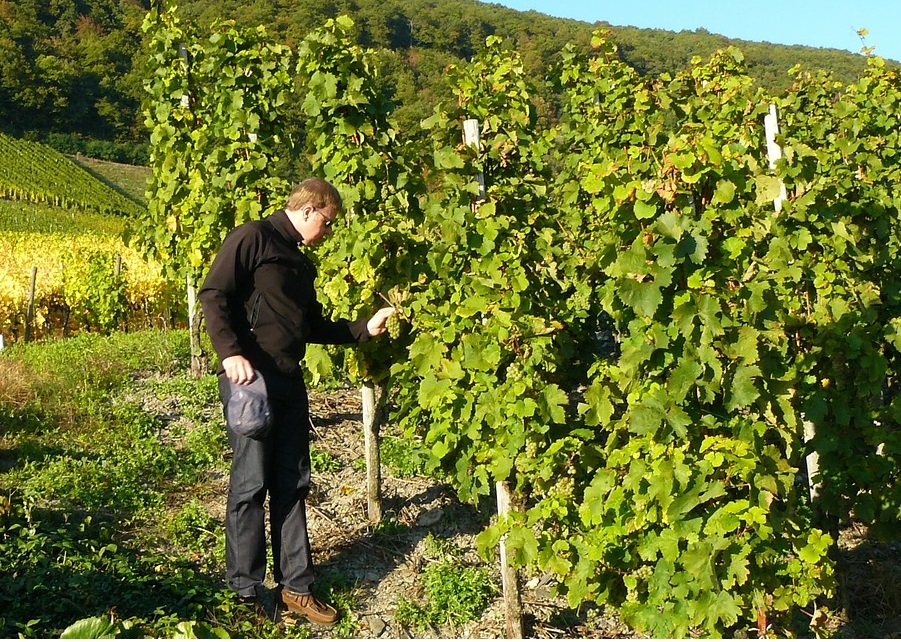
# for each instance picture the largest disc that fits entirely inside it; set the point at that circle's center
(813, 460)
(471, 138)
(373, 398)
(774, 153)
(373, 404)
(195, 315)
(509, 575)
(29, 311)
(183, 54)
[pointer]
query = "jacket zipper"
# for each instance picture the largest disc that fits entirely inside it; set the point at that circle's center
(255, 312)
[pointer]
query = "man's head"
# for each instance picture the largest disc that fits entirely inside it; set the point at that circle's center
(313, 206)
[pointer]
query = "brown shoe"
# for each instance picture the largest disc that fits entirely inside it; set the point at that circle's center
(309, 607)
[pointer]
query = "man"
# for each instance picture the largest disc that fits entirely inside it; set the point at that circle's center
(261, 311)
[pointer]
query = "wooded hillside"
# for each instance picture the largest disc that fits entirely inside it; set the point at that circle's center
(71, 70)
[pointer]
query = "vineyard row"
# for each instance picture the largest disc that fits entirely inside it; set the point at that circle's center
(34, 172)
(618, 324)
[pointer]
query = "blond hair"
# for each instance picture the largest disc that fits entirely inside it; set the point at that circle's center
(316, 192)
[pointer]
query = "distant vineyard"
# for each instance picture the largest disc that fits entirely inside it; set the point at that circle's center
(33, 172)
(82, 282)
(17, 217)
(85, 277)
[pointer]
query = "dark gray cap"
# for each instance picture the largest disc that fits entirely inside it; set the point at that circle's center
(248, 411)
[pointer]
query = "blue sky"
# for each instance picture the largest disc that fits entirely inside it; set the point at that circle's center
(816, 23)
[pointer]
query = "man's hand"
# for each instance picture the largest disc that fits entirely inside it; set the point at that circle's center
(376, 325)
(238, 369)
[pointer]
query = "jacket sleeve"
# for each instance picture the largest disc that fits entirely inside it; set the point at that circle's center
(323, 330)
(226, 287)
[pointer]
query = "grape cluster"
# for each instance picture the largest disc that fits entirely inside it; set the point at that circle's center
(565, 487)
(643, 572)
(531, 449)
(580, 299)
(393, 325)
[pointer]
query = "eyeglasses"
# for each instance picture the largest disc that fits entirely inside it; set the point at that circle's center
(329, 222)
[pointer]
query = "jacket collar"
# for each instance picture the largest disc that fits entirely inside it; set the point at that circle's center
(283, 226)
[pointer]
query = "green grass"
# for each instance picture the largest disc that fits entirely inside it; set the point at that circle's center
(91, 364)
(131, 180)
(92, 494)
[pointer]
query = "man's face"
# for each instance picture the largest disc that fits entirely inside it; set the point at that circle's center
(315, 224)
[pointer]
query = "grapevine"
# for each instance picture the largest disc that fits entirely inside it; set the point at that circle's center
(211, 109)
(352, 142)
(78, 287)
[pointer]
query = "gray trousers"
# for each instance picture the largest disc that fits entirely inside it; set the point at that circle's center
(278, 466)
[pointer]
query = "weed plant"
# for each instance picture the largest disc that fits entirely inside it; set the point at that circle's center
(322, 461)
(455, 592)
(404, 457)
(195, 531)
